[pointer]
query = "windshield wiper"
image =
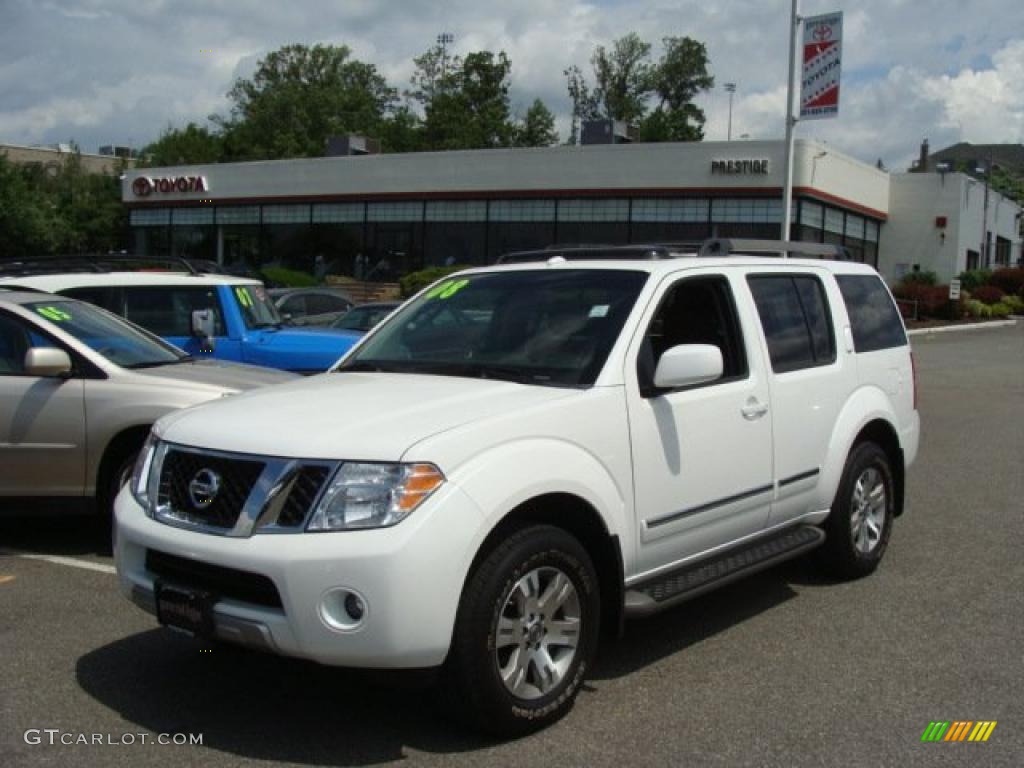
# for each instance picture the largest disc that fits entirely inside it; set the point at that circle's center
(159, 363)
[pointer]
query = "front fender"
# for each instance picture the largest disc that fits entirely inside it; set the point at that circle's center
(504, 477)
(865, 405)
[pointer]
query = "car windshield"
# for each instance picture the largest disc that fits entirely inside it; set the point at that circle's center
(258, 311)
(545, 327)
(108, 335)
(362, 318)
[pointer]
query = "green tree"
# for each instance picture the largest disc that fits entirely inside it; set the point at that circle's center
(298, 98)
(624, 78)
(431, 76)
(537, 128)
(679, 76)
(29, 222)
(190, 145)
(658, 97)
(470, 109)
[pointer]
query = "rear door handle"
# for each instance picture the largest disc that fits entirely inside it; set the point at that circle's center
(754, 410)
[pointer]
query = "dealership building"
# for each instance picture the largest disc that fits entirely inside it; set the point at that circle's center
(379, 216)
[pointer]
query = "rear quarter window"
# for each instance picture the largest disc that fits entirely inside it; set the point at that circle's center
(874, 319)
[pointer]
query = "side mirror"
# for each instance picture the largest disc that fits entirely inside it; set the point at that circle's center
(204, 328)
(48, 362)
(688, 364)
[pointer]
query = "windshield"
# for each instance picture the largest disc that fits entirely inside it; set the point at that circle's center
(108, 335)
(258, 311)
(363, 318)
(549, 327)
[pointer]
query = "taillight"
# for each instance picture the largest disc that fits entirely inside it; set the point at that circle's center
(913, 374)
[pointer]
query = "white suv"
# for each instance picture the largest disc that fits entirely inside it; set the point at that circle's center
(522, 455)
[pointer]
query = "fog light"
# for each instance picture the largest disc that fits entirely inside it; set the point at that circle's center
(343, 610)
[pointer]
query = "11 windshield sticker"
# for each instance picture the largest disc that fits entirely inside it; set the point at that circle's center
(54, 314)
(447, 289)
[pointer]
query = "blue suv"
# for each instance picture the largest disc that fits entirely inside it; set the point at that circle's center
(223, 317)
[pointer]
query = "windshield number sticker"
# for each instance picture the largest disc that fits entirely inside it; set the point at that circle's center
(243, 297)
(447, 289)
(54, 314)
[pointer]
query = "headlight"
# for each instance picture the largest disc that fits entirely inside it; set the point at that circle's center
(140, 475)
(374, 495)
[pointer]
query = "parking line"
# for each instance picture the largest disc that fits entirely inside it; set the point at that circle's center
(70, 562)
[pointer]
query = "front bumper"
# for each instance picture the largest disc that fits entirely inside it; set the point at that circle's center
(410, 577)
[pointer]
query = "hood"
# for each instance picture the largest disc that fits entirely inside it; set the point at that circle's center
(356, 416)
(299, 349)
(215, 374)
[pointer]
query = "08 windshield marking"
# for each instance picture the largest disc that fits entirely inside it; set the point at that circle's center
(542, 327)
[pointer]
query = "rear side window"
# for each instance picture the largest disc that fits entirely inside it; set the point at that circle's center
(167, 310)
(795, 318)
(875, 322)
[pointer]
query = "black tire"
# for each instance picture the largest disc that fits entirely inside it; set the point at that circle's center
(853, 550)
(473, 679)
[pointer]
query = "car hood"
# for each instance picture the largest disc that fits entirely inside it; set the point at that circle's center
(214, 374)
(357, 416)
(299, 349)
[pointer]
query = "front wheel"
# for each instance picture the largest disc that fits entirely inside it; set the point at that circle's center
(526, 632)
(860, 522)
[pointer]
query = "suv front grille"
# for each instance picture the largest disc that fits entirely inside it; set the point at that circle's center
(300, 501)
(181, 475)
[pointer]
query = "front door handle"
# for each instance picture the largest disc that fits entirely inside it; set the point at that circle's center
(754, 410)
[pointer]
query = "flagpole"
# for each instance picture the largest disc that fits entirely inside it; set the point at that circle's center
(787, 192)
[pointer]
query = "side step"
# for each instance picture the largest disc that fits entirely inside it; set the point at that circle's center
(693, 580)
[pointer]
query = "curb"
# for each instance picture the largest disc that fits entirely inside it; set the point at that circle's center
(965, 327)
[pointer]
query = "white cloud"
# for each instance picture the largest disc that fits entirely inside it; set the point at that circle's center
(113, 70)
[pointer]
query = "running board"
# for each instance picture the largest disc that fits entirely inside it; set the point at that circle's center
(688, 582)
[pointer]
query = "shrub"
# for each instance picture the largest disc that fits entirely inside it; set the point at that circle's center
(287, 278)
(932, 300)
(973, 278)
(987, 294)
(1000, 310)
(1015, 303)
(1008, 279)
(415, 281)
(922, 277)
(977, 309)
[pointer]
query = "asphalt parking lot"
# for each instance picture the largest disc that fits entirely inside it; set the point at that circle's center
(782, 669)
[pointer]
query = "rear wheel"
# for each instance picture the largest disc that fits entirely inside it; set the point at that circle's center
(526, 632)
(860, 522)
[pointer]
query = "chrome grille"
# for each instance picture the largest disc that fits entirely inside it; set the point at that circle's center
(308, 483)
(181, 468)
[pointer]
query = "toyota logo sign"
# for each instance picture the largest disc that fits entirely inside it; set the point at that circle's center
(144, 186)
(204, 488)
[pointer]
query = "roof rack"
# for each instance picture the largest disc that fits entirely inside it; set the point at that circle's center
(589, 253)
(92, 262)
(725, 246)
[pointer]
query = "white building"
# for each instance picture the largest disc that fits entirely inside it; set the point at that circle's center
(468, 207)
(946, 223)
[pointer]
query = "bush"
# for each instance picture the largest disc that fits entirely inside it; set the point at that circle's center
(932, 300)
(977, 309)
(922, 277)
(1015, 303)
(415, 281)
(287, 278)
(1008, 279)
(1000, 310)
(987, 294)
(973, 278)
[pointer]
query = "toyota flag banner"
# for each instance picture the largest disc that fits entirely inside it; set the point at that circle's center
(823, 50)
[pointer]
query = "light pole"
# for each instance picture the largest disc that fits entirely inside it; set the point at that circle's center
(443, 41)
(730, 89)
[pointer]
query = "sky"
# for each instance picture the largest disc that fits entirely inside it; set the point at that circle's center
(121, 71)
